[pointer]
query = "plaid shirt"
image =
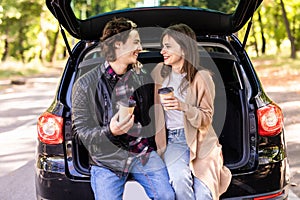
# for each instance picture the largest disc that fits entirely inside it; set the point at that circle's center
(139, 146)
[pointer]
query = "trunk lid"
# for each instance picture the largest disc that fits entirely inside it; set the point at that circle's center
(203, 21)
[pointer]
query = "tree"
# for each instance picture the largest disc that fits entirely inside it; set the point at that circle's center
(19, 27)
(9, 16)
(288, 30)
(263, 39)
(28, 30)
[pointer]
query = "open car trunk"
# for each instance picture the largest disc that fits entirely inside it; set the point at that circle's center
(231, 115)
(231, 119)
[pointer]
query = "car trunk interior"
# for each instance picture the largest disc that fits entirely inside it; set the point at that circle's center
(229, 101)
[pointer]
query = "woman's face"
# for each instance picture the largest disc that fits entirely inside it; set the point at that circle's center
(172, 53)
(128, 51)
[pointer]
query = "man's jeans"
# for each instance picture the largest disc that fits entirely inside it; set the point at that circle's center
(153, 177)
(177, 158)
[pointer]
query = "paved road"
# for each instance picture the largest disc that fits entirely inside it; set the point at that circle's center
(18, 136)
(288, 98)
(19, 108)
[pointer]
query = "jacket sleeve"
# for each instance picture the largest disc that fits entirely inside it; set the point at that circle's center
(85, 122)
(200, 103)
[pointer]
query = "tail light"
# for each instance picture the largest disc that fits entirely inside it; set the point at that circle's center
(50, 128)
(270, 120)
(270, 196)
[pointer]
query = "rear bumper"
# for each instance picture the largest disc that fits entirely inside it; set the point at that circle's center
(52, 183)
(265, 180)
(59, 187)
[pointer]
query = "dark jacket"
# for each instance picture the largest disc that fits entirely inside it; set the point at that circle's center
(93, 108)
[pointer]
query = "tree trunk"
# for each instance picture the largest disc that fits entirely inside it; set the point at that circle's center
(294, 32)
(288, 30)
(5, 53)
(54, 44)
(263, 39)
(277, 18)
(21, 39)
(255, 42)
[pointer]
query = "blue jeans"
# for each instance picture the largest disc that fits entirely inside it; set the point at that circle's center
(177, 158)
(202, 192)
(153, 177)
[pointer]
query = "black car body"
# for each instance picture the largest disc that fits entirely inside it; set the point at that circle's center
(249, 123)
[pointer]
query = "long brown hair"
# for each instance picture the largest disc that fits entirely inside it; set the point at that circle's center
(186, 38)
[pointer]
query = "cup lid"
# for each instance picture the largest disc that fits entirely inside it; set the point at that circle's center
(128, 103)
(165, 90)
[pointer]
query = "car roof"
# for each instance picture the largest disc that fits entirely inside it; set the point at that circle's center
(202, 21)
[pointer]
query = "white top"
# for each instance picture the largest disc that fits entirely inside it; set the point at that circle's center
(174, 118)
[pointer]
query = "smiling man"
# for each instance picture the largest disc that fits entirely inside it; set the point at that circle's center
(117, 146)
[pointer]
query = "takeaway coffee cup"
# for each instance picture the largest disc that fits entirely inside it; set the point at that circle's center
(165, 92)
(126, 108)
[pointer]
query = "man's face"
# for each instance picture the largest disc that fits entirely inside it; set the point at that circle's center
(128, 51)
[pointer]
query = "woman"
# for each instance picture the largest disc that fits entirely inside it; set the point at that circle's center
(193, 154)
(118, 146)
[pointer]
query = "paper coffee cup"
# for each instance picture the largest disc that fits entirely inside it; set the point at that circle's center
(165, 92)
(126, 108)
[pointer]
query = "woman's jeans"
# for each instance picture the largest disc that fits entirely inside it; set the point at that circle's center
(177, 158)
(153, 177)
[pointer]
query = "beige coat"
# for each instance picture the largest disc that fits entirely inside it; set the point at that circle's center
(206, 160)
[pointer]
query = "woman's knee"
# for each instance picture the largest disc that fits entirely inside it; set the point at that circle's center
(201, 190)
(165, 195)
(182, 184)
(181, 176)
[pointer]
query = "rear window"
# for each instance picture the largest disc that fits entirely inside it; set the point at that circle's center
(84, 9)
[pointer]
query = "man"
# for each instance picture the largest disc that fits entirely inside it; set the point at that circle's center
(119, 147)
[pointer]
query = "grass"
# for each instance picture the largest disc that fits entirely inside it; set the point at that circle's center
(278, 72)
(9, 73)
(14, 70)
(276, 62)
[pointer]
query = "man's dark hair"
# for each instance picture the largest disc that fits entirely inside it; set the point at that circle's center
(117, 29)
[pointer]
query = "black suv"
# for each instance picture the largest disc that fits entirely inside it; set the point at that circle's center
(249, 123)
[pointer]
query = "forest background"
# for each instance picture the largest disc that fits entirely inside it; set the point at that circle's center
(31, 41)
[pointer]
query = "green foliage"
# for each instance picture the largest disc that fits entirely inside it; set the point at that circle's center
(19, 26)
(87, 8)
(28, 31)
(226, 6)
(273, 26)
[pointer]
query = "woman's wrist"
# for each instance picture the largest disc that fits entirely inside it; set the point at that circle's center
(183, 106)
